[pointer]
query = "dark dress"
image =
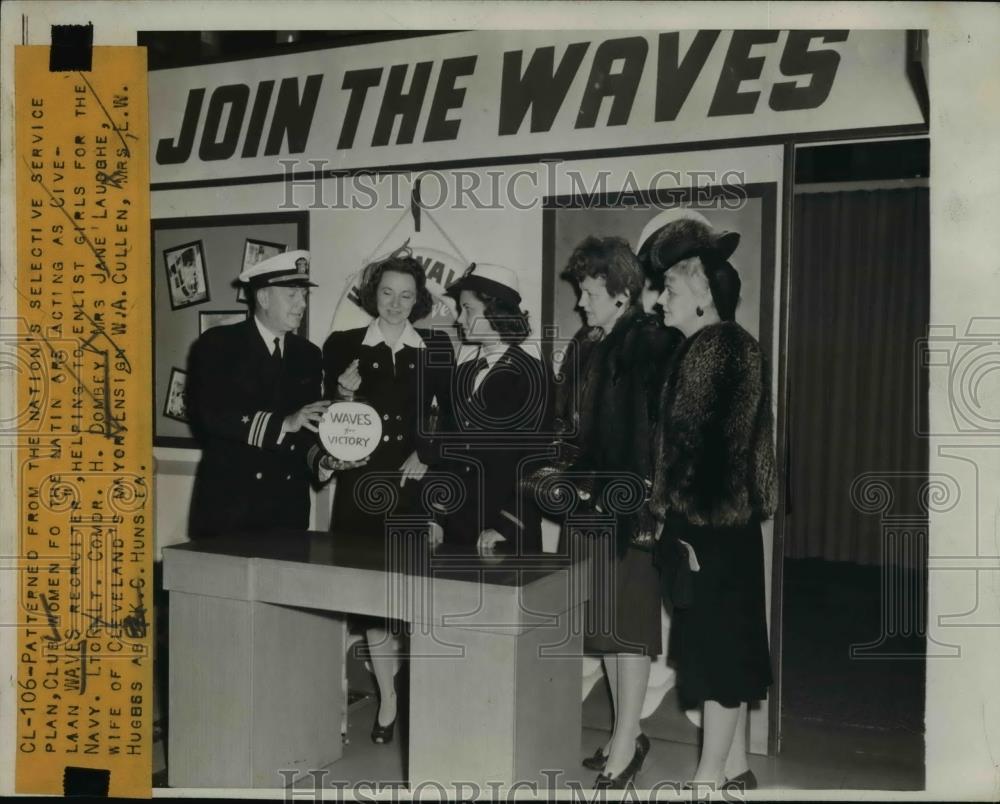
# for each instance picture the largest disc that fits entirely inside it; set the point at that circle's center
(607, 405)
(490, 438)
(402, 391)
(715, 484)
(719, 643)
(238, 397)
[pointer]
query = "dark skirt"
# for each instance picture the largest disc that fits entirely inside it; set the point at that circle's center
(365, 497)
(365, 501)
(623, 612)
(718, 643)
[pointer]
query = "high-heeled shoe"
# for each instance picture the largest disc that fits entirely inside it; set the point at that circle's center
(622, 780)
(744, 781)
(599, 760)
(383, 734)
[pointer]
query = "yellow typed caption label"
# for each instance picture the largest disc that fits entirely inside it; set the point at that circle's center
(84, 680)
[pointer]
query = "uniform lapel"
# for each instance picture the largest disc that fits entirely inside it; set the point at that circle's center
(504, 361)
(261, 362)
(255, 343)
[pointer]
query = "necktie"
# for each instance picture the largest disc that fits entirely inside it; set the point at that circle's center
(276, 355)
(480, 366)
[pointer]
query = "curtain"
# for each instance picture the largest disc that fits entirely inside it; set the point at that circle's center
(859, 304)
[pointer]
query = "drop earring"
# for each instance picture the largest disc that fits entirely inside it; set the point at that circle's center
(699, 312)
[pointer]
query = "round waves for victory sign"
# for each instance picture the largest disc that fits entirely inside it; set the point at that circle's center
(350, 431)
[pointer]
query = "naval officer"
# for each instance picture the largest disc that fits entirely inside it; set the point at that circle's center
(255, 399)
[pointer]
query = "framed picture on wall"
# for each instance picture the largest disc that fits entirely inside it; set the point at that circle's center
(215, 318)
(176, 405)
(187, 280)
(255, 251)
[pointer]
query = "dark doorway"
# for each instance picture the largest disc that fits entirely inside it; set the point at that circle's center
(855, 528)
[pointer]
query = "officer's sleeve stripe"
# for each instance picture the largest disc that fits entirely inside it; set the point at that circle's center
(261, 429)
(253, 428)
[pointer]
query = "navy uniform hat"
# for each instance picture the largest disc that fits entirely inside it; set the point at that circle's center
(287, 270)
(493, 280)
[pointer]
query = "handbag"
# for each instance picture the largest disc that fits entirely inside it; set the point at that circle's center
(676, 575)
(644, 526)
(554, 485)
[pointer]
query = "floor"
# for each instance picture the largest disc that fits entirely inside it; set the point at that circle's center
(848, 724)
(814, 758)
(852, 695)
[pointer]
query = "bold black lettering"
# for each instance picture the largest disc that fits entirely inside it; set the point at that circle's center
(406, 105)
(621, 86)
(820, 65)
(293, 116)
(176, 151)
(358, 82)
(446, 98)
(675, 77)
(235, 96)
(257, 116)
(737, 68)
(539, 89)
(436, 271)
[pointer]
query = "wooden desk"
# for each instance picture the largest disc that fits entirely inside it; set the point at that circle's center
(256, 657)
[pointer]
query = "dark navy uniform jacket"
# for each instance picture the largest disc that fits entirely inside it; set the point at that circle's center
(493, 436)
(402, 391)
(238, 398)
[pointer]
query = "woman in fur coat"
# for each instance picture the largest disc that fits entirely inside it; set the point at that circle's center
(606, 399)
(714, 484)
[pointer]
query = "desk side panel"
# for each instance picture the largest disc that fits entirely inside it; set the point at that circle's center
(462, 696)
(298, 703)
(210, 689)
(547, 707)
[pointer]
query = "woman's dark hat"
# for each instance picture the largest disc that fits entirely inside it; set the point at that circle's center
(723, 282)
(676, 234)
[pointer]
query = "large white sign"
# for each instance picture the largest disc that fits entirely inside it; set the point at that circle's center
(486, 95)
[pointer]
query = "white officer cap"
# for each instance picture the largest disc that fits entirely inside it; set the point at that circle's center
(288, 269)
(494, 280)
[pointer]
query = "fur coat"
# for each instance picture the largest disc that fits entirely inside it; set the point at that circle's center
(607, 398)
(715, 438)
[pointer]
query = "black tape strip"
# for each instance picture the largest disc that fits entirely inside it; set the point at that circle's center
(86, 782)
(71, 48)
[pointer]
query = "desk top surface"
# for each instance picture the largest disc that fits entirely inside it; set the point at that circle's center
(408, 555)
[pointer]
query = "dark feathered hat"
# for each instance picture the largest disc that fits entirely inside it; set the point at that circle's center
(676, 234)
